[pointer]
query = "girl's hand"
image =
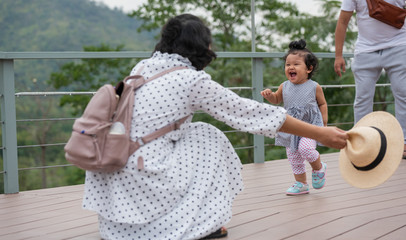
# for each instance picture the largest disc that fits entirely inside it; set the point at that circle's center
(273, 97)
(266, 93)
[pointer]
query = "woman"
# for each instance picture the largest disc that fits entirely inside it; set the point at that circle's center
(182, 185)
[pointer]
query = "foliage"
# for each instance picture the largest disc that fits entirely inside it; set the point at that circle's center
(89, 75)
(34, 136)
(229, 20)
(230, 25)
(66, 25)
(63, 25)
(280, 23)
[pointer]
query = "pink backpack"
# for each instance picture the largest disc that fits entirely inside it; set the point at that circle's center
(100, 139)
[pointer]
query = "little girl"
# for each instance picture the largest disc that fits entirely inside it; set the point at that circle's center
(304, 100)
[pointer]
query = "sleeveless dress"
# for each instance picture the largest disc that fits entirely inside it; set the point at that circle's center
(190, 176)
(300, 102)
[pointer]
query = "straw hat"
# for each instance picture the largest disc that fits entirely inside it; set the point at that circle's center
(374, 150)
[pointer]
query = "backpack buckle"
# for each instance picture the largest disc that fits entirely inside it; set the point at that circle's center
(177, 124)
(140, 142)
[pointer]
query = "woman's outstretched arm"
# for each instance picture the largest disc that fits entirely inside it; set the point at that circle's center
(328, 136)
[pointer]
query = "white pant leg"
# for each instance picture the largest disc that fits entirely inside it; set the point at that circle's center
(366, 69)
(395, 66)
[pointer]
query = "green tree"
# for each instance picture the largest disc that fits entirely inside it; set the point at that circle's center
(84, 75)
(277, 23)
(38, 139)
(230, 21)
(89, 75)
(230, 24)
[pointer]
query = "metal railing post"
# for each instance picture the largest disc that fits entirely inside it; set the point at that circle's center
(257, 86)
(9, 126)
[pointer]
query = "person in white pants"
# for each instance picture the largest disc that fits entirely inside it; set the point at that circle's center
(379, 47)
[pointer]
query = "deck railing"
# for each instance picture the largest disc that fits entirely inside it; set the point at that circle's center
(8, 95)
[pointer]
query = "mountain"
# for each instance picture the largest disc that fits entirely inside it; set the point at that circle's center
(67, 25)
(63, 25)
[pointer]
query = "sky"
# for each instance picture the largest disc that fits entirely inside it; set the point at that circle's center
(310, 6)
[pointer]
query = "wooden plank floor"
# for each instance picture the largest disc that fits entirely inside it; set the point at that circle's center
(261, 211)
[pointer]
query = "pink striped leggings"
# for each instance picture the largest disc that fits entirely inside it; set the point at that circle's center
(306, 151)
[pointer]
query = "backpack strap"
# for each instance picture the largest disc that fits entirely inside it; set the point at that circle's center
(140, 70)
(138, 80)
(158, 133)
(165, 72)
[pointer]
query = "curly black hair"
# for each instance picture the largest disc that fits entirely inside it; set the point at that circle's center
(299, 47)
(189, 37)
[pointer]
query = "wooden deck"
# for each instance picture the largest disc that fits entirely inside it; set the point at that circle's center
(261, 211)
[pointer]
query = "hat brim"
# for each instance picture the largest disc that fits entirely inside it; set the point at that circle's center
(389, 125)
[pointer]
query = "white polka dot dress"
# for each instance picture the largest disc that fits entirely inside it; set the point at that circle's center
(190, 176)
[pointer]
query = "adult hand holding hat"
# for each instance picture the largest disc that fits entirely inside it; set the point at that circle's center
(374, 150)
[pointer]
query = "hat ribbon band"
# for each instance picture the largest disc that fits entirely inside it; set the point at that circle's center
(378, 158)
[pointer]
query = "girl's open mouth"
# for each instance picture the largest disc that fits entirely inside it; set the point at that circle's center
(292, 74)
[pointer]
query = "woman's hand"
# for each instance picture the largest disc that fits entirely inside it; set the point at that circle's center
(332, 137)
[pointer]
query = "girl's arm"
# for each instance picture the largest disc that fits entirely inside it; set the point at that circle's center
(273, 97)
(321, 101)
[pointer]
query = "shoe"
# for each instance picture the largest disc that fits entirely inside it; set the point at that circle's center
(222, 232)
(298, 188)
(319, 177)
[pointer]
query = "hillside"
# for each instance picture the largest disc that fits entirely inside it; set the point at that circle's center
(63, 25)
(66, 25)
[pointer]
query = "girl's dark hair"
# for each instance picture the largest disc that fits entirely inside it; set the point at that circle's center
(299, 48)
(189, 37)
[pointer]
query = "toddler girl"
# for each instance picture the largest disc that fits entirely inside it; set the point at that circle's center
(304, 100)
